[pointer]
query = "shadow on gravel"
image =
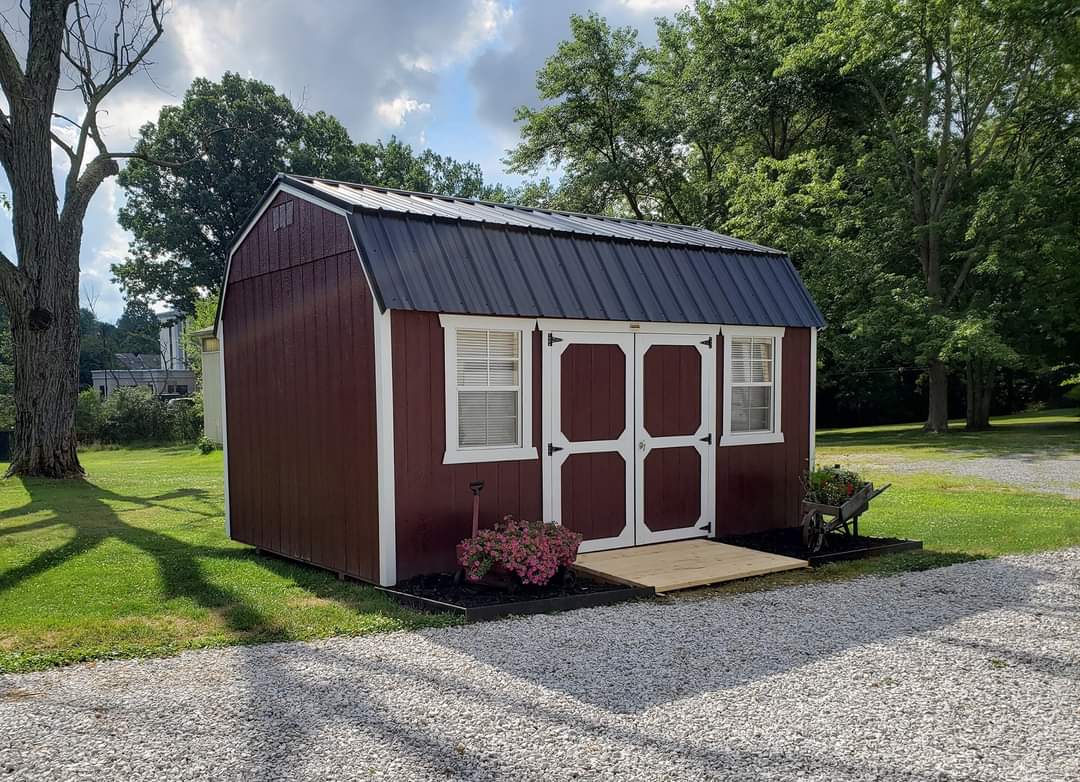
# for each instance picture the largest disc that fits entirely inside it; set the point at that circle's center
(629, 660)
(620, 660)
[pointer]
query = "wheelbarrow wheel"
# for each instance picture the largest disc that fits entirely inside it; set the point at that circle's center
(813, 531)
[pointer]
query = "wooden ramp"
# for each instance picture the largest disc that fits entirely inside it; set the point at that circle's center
(682, 564)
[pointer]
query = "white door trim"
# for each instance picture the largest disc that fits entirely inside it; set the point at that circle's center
(647, 443)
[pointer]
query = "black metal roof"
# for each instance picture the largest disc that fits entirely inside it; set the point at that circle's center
(456, 255)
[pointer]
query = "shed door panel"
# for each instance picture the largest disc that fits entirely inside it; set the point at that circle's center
(674, 420)
(591, 449)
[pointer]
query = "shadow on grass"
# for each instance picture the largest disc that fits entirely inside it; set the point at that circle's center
(96, 515)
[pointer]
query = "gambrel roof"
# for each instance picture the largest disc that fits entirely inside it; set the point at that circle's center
(458, 255)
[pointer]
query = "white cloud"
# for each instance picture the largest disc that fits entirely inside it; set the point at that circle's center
(394, 112)
(653, 6)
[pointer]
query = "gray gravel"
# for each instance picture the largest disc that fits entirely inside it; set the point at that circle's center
(967, 672)
(1056, 475)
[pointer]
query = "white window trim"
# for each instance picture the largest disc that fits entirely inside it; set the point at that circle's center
(727, 437)
(525, 328)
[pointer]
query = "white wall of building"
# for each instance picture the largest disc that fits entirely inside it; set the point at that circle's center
(211, 393)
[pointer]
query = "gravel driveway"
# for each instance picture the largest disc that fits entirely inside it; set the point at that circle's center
(967, 672)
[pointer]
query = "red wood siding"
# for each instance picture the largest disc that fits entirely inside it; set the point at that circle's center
(434, 504)
(759, 487)
(300, 369)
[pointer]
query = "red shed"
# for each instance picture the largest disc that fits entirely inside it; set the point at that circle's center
(638, 382)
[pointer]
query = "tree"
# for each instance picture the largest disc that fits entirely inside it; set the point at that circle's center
(137, 329)
(182, 220)
(948, 78)
(72, 40)
(241, 133)
(594, 122)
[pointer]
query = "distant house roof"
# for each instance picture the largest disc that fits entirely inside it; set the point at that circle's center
(138, 360)
(458, 255)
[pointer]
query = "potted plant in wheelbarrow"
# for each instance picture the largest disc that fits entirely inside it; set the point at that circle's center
(835, 498)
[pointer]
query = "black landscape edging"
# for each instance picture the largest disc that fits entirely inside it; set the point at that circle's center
(826, 557)
(521, 607)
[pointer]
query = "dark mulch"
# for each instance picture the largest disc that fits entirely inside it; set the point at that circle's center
(788, 542)
(446, 589)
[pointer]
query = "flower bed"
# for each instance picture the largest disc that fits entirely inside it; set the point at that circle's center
(530, 551)
(474, 602)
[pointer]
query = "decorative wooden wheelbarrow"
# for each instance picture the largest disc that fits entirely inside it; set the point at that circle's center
(819, 520)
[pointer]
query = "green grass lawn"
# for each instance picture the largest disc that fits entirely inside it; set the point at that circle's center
(133, 560)
(962, 514)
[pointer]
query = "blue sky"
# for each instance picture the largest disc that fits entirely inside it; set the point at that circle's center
(446, 74)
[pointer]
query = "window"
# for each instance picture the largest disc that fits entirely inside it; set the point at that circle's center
(281, 216)
(182, 390)
(488, 404)
(752, 385)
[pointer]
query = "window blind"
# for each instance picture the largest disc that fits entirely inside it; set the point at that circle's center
(751, 384)
(488, 388)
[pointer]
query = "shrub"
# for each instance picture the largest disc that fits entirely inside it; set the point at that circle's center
(531, 550)
(89, 416)
(185, 419)
(206, 445)
(832, 485)
(133, 414)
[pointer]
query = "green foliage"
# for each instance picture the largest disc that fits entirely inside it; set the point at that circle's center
(235, 135)
(89, 416)
(206, 446)
(185, 419)
(832, 485)
(133, 414)
(923, 176)
(137, 330)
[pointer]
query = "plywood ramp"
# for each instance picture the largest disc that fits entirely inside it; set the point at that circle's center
(682, 564)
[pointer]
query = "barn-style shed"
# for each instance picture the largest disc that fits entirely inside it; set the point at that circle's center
(381, 350)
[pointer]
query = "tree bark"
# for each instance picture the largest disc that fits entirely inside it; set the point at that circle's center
(47, 386)
(937, 418)
(980, 393)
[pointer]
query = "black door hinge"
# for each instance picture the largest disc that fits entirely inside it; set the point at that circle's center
(707, 342)
(552, 339)
(707, 439)
(553, 448)
(707, 529)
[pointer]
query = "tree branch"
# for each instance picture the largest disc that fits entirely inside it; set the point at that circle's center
(12, 78)
(12, 282)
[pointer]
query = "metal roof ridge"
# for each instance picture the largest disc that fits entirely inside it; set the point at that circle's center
(753, 247)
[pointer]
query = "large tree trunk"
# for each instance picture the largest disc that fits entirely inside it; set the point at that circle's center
(980, 393)
(45, 333)
(937, 418)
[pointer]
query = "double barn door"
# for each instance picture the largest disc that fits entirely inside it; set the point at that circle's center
(629, 435)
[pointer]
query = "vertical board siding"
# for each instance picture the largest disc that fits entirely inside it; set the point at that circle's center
(300, 356)
(759, 487)
(434, 504)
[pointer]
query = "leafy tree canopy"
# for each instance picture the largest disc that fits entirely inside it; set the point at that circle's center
(233, 136)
